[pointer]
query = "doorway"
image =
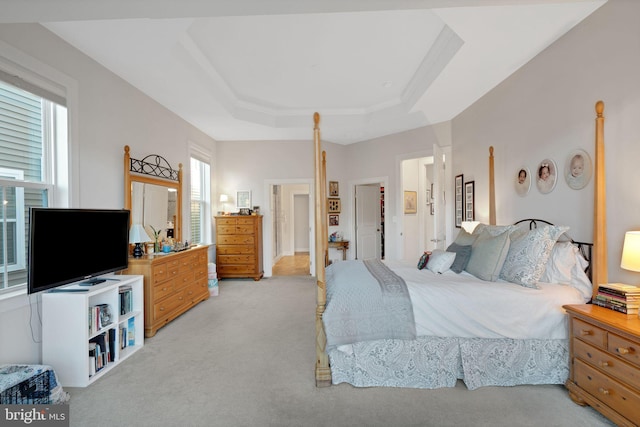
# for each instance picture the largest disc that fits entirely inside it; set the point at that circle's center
(290, 244)
(369, 221)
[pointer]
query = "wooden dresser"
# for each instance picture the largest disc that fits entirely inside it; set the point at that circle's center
(239, 246)
(173, 283)
(605, 362)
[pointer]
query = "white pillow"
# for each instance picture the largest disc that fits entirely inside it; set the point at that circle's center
(566, 266)
(440, 261)
(494, 230)
(528, 255)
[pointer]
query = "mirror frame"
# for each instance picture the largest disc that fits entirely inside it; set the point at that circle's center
(157, 172)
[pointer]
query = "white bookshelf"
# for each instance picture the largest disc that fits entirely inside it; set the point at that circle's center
(66, 331)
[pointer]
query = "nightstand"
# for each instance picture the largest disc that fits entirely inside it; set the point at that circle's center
(605, 362)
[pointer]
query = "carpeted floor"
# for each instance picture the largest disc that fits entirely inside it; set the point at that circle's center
(246, 358)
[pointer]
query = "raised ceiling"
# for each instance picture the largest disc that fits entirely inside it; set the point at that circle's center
(259, 69)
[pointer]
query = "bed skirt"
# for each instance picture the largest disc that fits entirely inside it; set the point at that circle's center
(434, 362)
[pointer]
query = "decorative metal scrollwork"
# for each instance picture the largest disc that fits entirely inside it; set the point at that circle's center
(154, 165)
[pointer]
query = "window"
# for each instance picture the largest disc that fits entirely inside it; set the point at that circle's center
(200, 201)
(32, 128)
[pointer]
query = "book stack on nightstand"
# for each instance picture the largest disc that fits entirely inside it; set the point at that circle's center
(619, 297)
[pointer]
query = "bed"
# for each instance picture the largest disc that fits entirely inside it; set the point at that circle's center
(495, 321)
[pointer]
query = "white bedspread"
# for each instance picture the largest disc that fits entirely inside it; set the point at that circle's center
(460, 305)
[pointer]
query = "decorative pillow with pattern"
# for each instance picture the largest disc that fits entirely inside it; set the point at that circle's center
(528, 255)
(422, 262)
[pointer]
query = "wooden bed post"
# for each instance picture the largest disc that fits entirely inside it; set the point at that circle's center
(599, 274)
(492, 190)
(323, 372)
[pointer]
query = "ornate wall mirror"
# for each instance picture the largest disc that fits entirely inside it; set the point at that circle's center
(153, 194)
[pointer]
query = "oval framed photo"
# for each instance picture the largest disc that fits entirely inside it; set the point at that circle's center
(546, 176)
(578, 169)
(522, 181)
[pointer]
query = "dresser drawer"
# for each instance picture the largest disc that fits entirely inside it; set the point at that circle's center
(236, 259)
(226, 222)
(235, 249)
(168, 305)
(236, 269)
(183, 280)
(628, 350)
(609, 391)
(589, 333)
(238, 239)
(225, 229)
(245, 229)
(606, 362)
(163, 289)
(246, 221)
(159, 273)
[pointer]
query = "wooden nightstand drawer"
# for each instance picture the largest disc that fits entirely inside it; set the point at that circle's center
(607, 363)
(589, 333)
(626, 349)
(610, 392)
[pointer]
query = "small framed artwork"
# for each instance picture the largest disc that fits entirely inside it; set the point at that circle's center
(578, 169)
(469, 201)
(459, 205)
(546, 176)
(523, 181)
(333, 189)
(243, 199)
(333, 205)
(410, 202)
(334, 219)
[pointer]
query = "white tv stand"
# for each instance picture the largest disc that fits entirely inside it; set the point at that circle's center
(66, 330)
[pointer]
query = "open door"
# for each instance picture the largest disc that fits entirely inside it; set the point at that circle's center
(439, 198)
(368, 222)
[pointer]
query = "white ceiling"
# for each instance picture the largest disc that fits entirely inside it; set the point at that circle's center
(259, 69)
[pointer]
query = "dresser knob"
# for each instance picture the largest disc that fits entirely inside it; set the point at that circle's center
(623, 350)
(604, 364)
(603, 391)
(161, 308)
(585, 332)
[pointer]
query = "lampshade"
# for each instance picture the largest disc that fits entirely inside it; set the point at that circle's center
(631, 251)
(469, 226)
(137, 234)
(224, 198)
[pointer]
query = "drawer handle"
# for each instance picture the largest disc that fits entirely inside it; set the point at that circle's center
(623, 350)
(585, 332)
(603, 391)
(604, 364)
(161, 308)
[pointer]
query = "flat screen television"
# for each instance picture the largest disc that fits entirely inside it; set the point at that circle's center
(72, 245)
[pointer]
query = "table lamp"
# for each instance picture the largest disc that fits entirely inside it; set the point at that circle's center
(138, 235)
(631, 251)
(224, 199)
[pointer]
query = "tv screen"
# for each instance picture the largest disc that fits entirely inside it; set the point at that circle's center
(70, 245)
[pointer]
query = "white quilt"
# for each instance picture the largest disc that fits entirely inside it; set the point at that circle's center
(460, 305)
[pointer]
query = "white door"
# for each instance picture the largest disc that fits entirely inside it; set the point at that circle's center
(439, 200)
(368, 219)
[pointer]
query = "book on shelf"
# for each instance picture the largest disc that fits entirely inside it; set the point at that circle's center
(126, 299)
(131, 332)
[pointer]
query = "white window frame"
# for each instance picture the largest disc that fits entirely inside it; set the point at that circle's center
(201, 155)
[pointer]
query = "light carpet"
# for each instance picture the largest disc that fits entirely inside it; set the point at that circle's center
(246, 358)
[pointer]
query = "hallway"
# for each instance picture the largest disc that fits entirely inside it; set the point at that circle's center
(295, 265)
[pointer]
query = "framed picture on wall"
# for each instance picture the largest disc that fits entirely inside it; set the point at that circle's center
(459, 203)
(243, 199)
(333, 189)
(410, 202)
(469, 201)
(334, 219)
(333, 205)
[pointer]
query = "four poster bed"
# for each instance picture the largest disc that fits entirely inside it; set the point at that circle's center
(491, 315)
